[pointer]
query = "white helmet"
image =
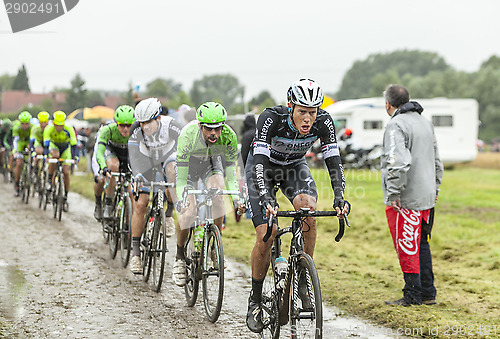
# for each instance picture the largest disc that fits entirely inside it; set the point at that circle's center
(305, 92)
(147, 109)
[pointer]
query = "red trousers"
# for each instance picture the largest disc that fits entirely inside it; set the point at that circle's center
(405, 228)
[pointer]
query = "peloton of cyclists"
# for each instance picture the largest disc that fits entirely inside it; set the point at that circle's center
(152, 145)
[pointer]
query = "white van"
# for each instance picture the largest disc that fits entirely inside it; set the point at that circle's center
(456, 124)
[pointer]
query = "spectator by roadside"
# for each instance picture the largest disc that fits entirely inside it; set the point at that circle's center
(411, 176)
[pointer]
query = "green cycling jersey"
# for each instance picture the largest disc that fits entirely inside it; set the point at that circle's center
(67, 135)
(21, 137)
(23, 134)
(192, 145)
(37, 135)
(109, 135)
(6, 134)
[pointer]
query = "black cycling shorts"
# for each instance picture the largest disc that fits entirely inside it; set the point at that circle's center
(204, 169)
(293, 180)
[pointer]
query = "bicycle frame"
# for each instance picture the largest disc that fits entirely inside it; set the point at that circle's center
(210, 194)
(151, 244)
(114, 224)
(212, 292)
(58, 177)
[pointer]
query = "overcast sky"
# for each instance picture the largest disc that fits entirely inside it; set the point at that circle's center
(265, 44)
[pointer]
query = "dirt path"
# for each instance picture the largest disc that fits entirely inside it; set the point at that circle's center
(57, 280)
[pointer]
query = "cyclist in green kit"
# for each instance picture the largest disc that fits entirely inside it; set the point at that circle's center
(21, 136)
(112, 153)
(59, 141)
(207, 149)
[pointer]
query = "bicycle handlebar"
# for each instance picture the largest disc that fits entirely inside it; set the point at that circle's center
(161, 183)
(211, 191)
(207, 191)
(54, 161)
(118, 175)
(303, 213)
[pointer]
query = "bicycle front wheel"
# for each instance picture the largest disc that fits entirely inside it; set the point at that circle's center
(55, 192)
(159, 250)
(25, 188)
(146, 244)
(60, 197)
(113, 227)
(41, 190)
(193, 266)
(213, 273)
(271, 298)
(125, 239)
(306, 310)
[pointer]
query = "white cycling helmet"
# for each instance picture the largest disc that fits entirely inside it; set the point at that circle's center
(147, 109)
(305, 92)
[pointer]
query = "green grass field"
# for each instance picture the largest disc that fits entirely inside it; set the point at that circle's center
(362, 271)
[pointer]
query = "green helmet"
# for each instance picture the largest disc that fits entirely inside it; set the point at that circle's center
(25, 117)
(124, 114)
(211, 114)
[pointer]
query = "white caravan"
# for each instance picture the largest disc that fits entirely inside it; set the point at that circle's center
(456, 124)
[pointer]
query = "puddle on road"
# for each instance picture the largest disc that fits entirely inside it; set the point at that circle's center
(12, 288)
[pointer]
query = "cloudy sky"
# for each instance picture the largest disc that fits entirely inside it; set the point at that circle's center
(265, 44)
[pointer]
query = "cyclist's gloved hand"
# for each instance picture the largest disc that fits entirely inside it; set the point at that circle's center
(239, 206)
(77, 159)
(140, 178)
(105, 171)
(268, 204)
(338, 202)
(343, 205)
(178, 206)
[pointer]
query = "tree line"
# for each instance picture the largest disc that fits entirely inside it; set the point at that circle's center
(425, 74)
(223, 88)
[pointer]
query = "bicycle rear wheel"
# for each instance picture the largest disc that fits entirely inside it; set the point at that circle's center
(125, 239)
(159, 250)
(193, 266)
(213, 273)
(306, 311)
